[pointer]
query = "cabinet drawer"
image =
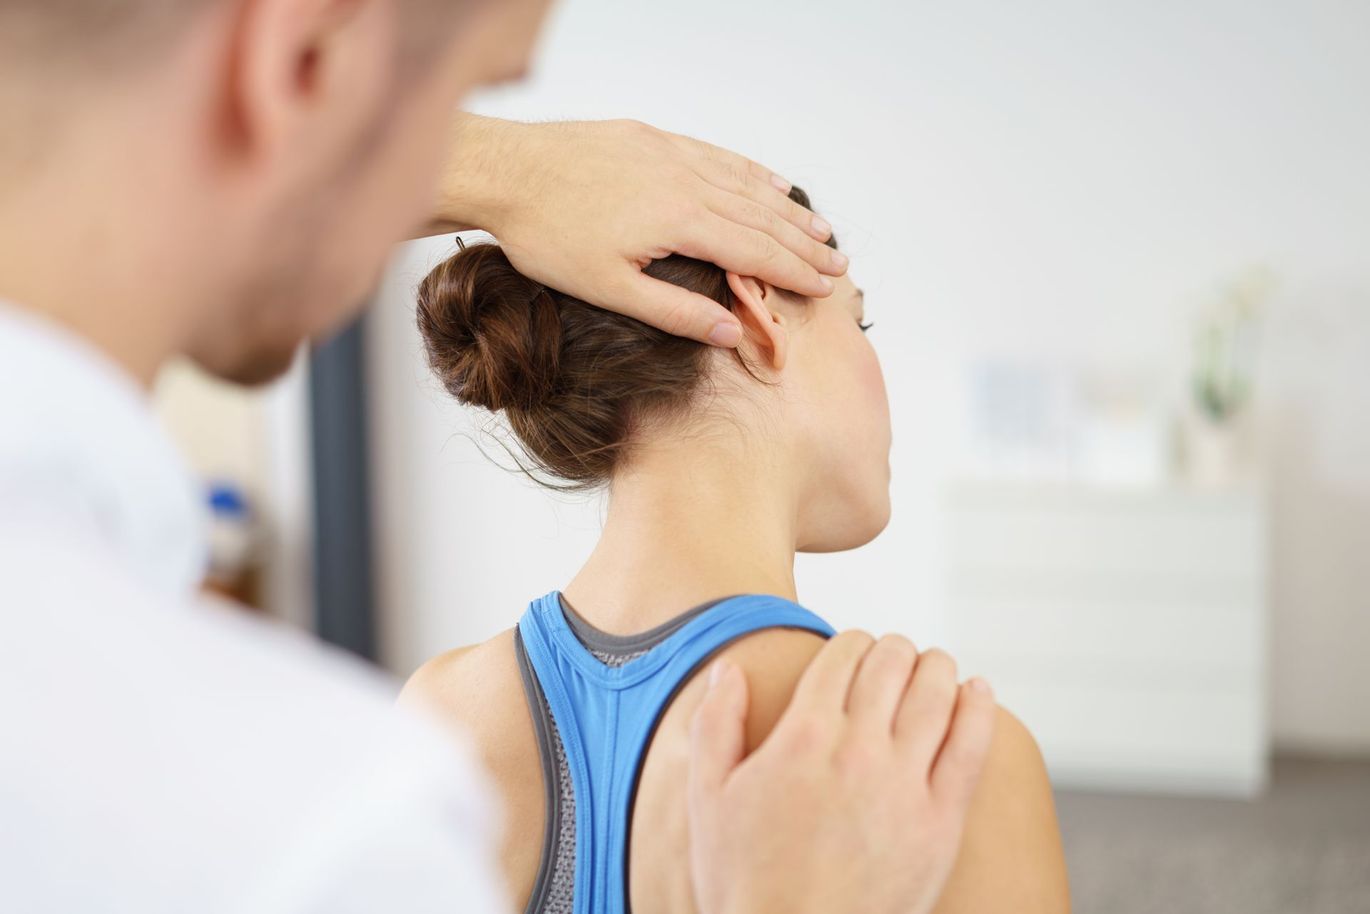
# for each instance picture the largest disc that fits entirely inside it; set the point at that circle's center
(1165, 735)
(1201, 537)
(1169, 626)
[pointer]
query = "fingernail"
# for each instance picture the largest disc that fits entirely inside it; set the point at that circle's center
(726, 334)
(827, 285)
(781, 184)
(979, 685)
(840, 261)
(717, 672)
(821, 228)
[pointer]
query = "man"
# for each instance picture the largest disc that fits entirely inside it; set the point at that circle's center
(221, 179)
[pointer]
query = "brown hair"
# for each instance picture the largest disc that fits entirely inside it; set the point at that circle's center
(574, 381)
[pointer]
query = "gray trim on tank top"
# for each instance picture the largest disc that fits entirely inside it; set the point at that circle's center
(554, 885)
(612, 649)
(552, 868)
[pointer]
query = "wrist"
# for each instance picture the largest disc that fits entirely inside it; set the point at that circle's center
(484, 172)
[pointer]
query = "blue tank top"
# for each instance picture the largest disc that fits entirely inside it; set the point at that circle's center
(606, 717)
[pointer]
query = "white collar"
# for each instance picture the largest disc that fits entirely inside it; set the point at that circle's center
(79, 444)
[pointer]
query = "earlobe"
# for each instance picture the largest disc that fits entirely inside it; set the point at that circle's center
(762, 327)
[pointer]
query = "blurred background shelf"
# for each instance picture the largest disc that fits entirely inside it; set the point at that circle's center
(1126, 627)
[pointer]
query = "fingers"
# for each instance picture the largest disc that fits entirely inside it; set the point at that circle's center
(766, 176)
(747, 251)
(673, 309)
(957, 769)
(923, 718)
(748, 212)
(745, 182)
(718, 732)
(826, 683)
(738, 164)
(734, 180)
(881, 681)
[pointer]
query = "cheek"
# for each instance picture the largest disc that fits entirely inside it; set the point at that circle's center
(872, 380)
(870, 400)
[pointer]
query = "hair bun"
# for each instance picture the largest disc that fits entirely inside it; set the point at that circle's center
(493, 336)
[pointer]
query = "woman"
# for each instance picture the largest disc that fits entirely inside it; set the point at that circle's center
(720, 467)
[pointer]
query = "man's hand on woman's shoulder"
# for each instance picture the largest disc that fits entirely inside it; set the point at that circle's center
(857, 799)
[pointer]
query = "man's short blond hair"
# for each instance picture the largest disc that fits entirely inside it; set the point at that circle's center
(97, 35)
(54, 54)
(87, 34)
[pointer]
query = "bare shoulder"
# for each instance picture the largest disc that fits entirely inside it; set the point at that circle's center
(479, 691)
(1014, 785)
(474, 687)
(1011, 855)
(1014, 752)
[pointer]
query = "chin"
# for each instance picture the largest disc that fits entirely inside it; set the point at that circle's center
(856, 530)
(250, 369)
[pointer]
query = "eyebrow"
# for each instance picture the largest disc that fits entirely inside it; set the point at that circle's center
(861, 294)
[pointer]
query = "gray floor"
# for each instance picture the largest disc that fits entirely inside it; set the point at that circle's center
(1304, 848)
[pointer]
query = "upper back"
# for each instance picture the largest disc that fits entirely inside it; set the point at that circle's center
(589, 740)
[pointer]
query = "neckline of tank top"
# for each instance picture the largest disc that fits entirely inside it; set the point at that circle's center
(595, 639)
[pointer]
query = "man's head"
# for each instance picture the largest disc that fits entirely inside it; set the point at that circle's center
(272, 150)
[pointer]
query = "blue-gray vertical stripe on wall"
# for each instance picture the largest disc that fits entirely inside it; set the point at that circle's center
(344, 592)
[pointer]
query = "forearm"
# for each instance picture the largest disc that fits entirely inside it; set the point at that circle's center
(477, 174)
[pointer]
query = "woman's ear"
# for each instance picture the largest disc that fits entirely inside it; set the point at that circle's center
(762, 325)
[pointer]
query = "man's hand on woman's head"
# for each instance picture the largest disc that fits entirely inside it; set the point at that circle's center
(584, 206)
(857, 799)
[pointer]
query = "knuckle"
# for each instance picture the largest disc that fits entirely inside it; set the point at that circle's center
(940, 662)
(940, 691)
(765, 251)
(855, 760)
(899, 647)
(738, 174)
(806, 735)
(674, 317)
(767, 219)
(631, 133)
(757, 216)
(688, 184)
(853, 640)
(695, 220)
(819, 254)
(888, 662)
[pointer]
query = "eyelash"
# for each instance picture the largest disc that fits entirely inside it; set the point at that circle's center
(865, 327)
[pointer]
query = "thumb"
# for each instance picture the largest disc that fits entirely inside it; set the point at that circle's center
(718, 733)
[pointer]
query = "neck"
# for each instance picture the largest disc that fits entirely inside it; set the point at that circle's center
(689, 521)
(83, 241)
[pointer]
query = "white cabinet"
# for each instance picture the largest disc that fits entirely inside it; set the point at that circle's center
(1127, 628)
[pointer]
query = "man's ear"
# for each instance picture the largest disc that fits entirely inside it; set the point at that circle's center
(306, 71)
(762, 325)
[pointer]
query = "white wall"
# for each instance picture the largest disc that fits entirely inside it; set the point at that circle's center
(1061, 179)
